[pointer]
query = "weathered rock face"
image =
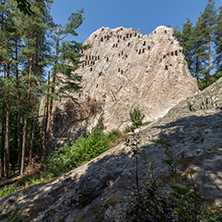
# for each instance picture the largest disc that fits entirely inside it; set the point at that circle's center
(124, 70)
(95, 191)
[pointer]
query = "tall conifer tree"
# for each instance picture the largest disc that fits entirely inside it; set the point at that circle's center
(35, 27)
(7, 63)
(66, 61)
(199, 48)
(185, 39)
(209, 19)
(218, 41)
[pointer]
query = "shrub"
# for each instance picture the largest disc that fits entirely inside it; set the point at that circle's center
(127, 129)
(114, 134)
(202, 84)
(136, 117)
(71, 156)
(82, 150)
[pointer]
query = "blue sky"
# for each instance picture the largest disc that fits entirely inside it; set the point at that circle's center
(145, 15)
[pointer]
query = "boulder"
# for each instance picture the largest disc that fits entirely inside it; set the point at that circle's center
(124, 70)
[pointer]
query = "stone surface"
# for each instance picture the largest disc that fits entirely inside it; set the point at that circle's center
(94, 191)
(121, 71)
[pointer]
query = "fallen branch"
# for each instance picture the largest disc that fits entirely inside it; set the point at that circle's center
(6, 182)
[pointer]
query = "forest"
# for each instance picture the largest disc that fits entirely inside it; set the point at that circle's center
(31, 44)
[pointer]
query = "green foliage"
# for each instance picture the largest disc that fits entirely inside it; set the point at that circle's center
(24, 182)
(198, 42)
(185, 38)
(136, 117)
(211, 213)
(82, 150)
(202, 84)
(127, 129)
(67, 56)
(150, 204)
(25, 52)
(147, 201)
(24, 6)
(114, 134)
(165, 143)
(70, 156)
(6, 190)
(218, 41)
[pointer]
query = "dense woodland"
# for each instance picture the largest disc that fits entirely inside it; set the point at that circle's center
(30, 43)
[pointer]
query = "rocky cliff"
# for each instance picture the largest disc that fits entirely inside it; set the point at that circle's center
(121, 71)
(95, 191)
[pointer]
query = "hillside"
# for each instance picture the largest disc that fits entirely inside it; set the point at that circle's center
(94, 191)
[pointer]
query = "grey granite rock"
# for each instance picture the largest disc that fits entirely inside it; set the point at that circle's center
(95, 191)
(121, 71)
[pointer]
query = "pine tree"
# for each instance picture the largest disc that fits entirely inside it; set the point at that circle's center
(17, 43)
(7, 62)
(2, 82)
(2, 136)
(24, 6)
(218, 41)
(185, 40)
(66, 61)
(42, 54)
(199, 48)
(2, 103)
(35, 27)
(209, 19)
(24, 53)
(6, 146)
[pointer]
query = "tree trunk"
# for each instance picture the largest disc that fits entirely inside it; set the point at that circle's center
(208, 72)
(33, 132)
(45, 118)
(197, 69)
(34, 105)
(26, 119)
(3, 141)
(3, 117)
(48, 136)
(33, 128)
(7, 129)
(3, 137)
(18, 109)
(44, 123)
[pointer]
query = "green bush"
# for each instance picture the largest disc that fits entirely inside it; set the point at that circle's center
(114, 134)
(127, 129)
(71, 156)
(82, 150)
(202, 84)
(6, 190)
(136, 117)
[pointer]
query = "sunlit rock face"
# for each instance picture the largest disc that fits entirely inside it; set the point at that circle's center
(121, 71)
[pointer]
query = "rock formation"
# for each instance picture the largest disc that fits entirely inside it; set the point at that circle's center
(95, 191)
(121, 71)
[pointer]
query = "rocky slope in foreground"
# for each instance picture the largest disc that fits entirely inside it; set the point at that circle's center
(194, 129)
